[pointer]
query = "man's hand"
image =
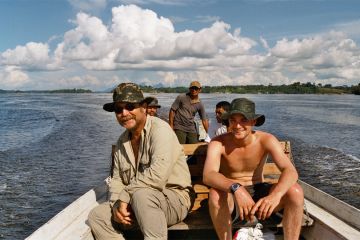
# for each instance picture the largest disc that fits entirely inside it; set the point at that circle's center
(245, 203)
(207, 138)
(122, 213)
(265, 206)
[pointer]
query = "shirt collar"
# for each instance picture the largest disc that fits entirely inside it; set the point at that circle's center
(196, 100)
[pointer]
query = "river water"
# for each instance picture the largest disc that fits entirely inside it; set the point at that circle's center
(55, 147)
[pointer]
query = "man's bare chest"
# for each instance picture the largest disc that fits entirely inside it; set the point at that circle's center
(243, 159)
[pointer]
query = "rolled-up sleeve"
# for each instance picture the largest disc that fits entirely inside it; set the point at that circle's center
(116, 184)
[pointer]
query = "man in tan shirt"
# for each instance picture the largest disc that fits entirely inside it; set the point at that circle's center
(150, 186)
(234, 171)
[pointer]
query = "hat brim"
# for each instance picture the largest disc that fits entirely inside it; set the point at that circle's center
(109, 107)
(147, 100)
(154, 105)
(259, 118)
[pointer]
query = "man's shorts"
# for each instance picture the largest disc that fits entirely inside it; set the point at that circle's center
(257, 191)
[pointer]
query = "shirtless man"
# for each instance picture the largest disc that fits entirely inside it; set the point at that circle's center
(233, 169)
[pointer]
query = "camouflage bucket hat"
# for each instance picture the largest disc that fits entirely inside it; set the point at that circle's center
(126, 92)
(245, 107)
(154, 103)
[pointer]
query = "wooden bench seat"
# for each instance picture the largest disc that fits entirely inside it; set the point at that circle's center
(199, 217)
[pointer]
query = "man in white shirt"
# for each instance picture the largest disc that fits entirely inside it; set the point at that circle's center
(220, 109)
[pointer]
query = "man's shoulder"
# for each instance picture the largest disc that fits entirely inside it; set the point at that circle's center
(222, 139)
(264, 136)
(158, 123)
(183, 96)
(266, 140)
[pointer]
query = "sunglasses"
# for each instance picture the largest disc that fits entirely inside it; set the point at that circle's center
(195, 88)
(128, 107)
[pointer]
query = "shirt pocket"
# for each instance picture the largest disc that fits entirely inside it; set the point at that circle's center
(144, 163)
(125, 170)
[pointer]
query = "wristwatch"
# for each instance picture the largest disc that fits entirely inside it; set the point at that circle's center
(234, 187)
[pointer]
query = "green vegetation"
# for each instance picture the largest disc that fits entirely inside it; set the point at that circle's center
(294, 88)
(74, 90)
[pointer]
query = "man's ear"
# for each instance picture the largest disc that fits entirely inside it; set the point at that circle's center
(143, 108)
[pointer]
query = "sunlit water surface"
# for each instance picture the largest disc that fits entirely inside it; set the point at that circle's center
(55, 147)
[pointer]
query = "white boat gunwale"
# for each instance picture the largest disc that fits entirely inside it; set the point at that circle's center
(333, 218)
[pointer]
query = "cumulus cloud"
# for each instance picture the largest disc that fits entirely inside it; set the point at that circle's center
(139, 40)
(32, 56)
(328, 56)
(12, 78)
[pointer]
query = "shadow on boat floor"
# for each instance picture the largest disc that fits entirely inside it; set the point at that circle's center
(178, 234)
(208, 234)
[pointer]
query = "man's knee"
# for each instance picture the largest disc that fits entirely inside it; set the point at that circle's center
(95, 216)
(144, 198)
(217, 198)
(295, 195)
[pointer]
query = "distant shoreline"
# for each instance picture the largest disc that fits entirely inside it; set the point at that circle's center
(295, 88)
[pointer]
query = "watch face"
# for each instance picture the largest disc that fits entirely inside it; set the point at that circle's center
(235, 187)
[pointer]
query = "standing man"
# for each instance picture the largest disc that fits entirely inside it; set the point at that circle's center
(182, 113)
(153, 107)
(234, 171)
(150, 179)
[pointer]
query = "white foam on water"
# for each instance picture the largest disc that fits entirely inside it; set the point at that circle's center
(3, 187)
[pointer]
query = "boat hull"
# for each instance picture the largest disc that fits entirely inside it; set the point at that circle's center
(71, 223)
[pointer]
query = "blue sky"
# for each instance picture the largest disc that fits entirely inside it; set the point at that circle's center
(96, 44)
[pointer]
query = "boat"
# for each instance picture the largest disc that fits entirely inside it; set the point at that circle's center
(325, 217)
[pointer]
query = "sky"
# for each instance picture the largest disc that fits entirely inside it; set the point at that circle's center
(97, 44)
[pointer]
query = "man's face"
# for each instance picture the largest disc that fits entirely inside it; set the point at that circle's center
(218, 113)
(130, 115)
(194, 91)
(152, 111)
(240, 126)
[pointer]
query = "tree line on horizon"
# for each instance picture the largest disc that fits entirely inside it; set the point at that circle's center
(294, 88)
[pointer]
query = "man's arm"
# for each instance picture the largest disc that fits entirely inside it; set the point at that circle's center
(211, 175)
(289, 176)
(205, 123)
(203, 117)
(171, 118)
(173, 108)
(116, 184)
